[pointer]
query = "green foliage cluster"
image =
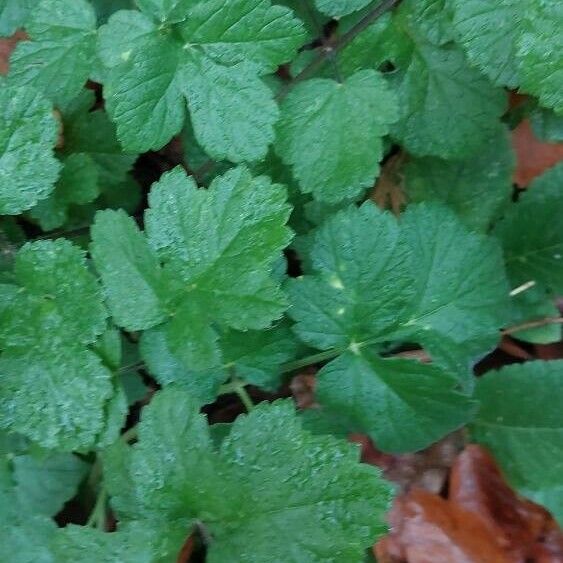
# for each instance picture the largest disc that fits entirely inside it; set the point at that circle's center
(101, 292)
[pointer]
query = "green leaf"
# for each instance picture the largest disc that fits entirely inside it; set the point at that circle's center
(55, 397)
(460, 287)
(546, 125)
(216, 249)
(515, 44)
(271, 492)
(91, 132)
(232, 111)
(166, 10)
(489, 30)
(368, 289)
(167, 368)
(105, 8)
(307, 13)
(57, 298)
(362, 282)
(520, 422)
(531, 234)
(533, 304)
(213, 60)
(331, 133)
(14, 15)
(403, 405)
(252, 356)
(25, 537)
(47, 320)
(438, 78)
(251, 31)
(446, 108)
(541, 53)
(77, 185)
(337, 8)
(28, 133)
(134, 543)
(476, 188)
(59, 58)
(43, 483)
(134, 283)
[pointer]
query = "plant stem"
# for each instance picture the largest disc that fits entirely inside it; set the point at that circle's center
(532, 324)
(97, 517)
(244, 397)
(341, 42)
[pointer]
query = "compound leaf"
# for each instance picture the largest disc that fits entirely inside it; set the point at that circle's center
(216, 249)
(213, 59)
(229, 491)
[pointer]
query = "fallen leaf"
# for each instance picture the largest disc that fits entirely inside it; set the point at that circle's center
(533, 156)
(389, 187)
(426, 528)
(477, 485)
(482, 521)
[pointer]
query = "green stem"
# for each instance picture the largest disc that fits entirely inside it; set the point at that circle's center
(97, 517)
(244, 397)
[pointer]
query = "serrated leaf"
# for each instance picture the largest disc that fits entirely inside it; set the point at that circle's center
(476, 188)
(134, 283)
(520, 422)
(25, 537)
(167, 368)
(43, 484)
(253, 356)
(428, 78)
(531, 234)
(56, 397)
(331, 133)
(59, 58)
(252, 31)
(14, 15)
(438, 78)
(403, 405)
(306, 13)
(57, 298)
(489, 30)
(362, 282)
(232, 111)
(88, 131)
(541, 53)
(134, 543)
(515, 44)
(368, 289)
(334, 505)
(77, 184)
(47, 320)
(336, 8)
(28, 132)
(166, 10)
(152, 73)
(461, 290)
(216, 250)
